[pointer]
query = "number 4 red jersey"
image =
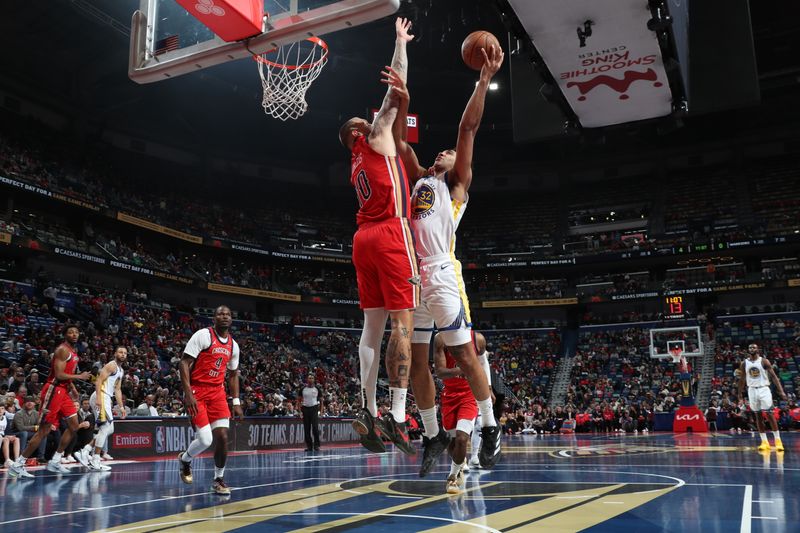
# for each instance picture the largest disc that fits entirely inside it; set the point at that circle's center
(380, 182)
(213, 356)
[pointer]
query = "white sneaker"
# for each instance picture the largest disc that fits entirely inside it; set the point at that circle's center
(106, 457)
(455, 483)
(97, 466)
(8, 463)
(17, 470)
(465, 467)
(57, 467)
(475, 462)
(82, 457)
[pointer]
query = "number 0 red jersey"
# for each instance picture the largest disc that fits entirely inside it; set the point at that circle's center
(380, 182)
(209, 368)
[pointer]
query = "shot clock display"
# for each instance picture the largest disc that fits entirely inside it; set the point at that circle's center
(674, 308)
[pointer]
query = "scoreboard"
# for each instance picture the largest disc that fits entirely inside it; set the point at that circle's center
(675, 308)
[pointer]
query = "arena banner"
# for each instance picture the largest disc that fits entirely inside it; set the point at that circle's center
(148, 437)
(793, 283)
(5, 238)
(233, 289)
(50, 194)
(294, 256)
(529, 303)
(152, 226)
(83, 256)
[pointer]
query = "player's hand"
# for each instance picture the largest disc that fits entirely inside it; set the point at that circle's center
(401, 27)
(393, 79)
(84, 376)
(238, 413)
(122, 414)
(782, 395)
(492, 61)
(190, 404)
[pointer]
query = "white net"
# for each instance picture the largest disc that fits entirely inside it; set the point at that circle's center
(287, 73)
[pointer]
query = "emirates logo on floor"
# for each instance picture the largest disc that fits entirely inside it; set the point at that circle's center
(207, 7)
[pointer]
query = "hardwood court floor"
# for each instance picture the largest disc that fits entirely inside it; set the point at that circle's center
(613, 483)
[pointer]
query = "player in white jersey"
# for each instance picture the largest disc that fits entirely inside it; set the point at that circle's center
(438, 203)
(109, 382)
(758, 371)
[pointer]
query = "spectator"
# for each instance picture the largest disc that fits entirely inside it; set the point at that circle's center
(8, 443)
(146, 408)
(26, 422)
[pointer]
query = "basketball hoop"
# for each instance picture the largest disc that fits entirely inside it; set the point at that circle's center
(290, 70)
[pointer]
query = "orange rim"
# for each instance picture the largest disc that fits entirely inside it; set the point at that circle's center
(316, 40)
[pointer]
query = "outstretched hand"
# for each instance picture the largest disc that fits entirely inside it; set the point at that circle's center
(492, 61)
(401, 26)
(393, 79)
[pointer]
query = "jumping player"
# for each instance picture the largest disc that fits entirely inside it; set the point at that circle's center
(207, 355)
(438, 203)
(383, 255)
(109, 382)
(459, 408)
(758, 371)
(56, 404)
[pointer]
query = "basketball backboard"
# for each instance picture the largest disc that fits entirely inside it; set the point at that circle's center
(664, 340)
(167, 41)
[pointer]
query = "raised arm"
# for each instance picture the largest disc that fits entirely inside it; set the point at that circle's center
(380, 137)
(460, 177)
(400, 126)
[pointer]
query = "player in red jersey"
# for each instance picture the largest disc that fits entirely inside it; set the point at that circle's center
(459, 407)
(207, 355)
(383, 255)
(58, 397)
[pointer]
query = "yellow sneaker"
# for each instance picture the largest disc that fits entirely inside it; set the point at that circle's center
(778, 445)
(764, 446)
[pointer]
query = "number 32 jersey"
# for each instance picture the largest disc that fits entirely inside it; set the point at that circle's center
(213, 355)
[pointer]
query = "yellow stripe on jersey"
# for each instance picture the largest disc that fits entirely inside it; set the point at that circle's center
(412, 257)
(102, 400)
(394, 175)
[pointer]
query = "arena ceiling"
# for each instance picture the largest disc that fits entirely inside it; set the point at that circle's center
(71, 55)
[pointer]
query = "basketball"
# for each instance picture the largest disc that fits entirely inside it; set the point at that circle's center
(471, 48)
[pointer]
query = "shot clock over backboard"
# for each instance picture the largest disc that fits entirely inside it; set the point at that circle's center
(675, 308)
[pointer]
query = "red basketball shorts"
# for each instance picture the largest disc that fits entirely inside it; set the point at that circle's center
(212, 405)
(459, 406)
(386, 265)
(56, 404)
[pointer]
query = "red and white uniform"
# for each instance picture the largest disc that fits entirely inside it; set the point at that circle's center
(213, 355)
(458, 402)
(56, 402)
(383, 246)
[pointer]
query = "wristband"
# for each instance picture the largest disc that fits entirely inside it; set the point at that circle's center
(237, 401)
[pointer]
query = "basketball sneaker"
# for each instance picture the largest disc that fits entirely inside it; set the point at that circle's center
(432, 449)
(395, 432)
(490, 446)
(778, 445)
(57, 467)
(364, 424)
(18, 470)
(97, 466)
(455, 482)
(82, 457)
(475, 462)
(465, 468)
(764, 446)
(220, 487)
(185, 470)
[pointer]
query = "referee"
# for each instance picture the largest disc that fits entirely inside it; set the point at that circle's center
(311, 410)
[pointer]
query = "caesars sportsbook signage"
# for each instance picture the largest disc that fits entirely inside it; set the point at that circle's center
(168, 436)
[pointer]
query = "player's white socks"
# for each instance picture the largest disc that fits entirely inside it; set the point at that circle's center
(475, 440)
(429, 422)
(57, 457)
(398, 398)
(763, 437)
(219, 472)
(487, 415)
(369, 350)
(455, 468)
(776, 434)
